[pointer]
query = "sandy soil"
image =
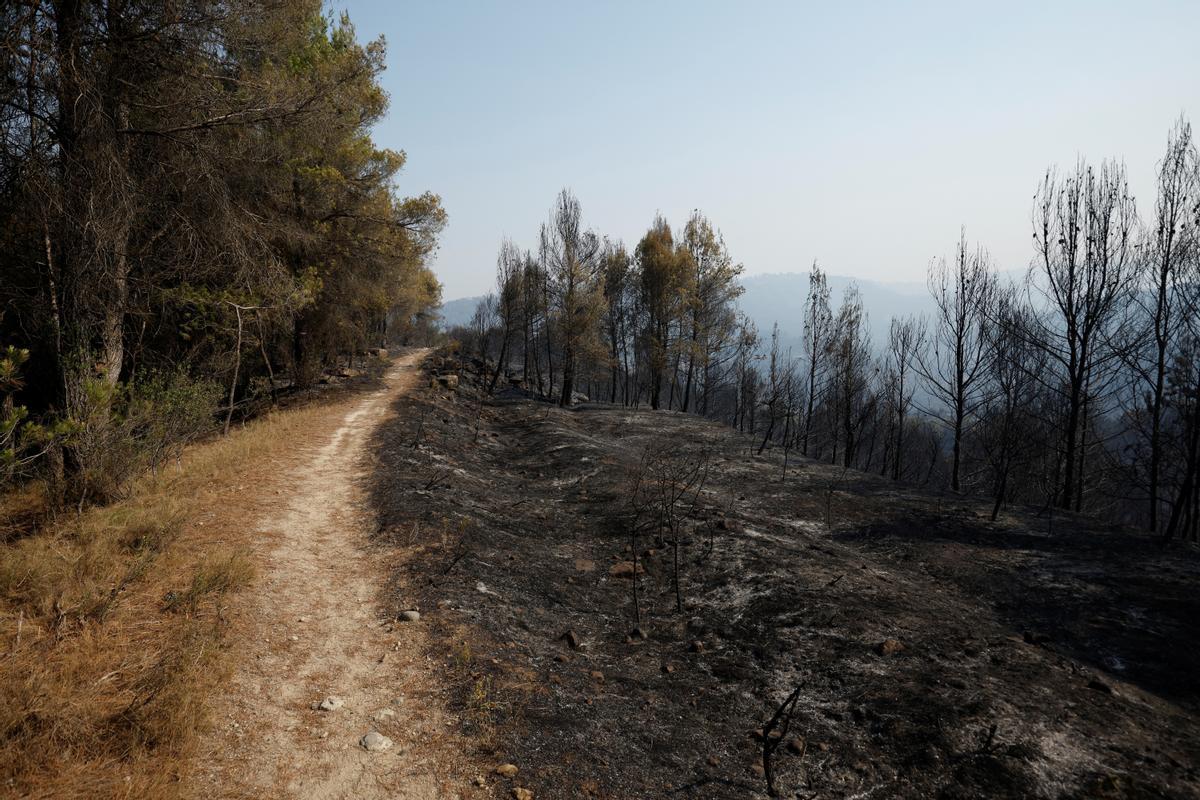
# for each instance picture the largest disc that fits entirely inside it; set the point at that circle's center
(311, 628)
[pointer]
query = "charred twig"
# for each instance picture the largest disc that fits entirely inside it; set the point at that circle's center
(420, 428)
(462, 553)
(782, 719)
(437, 479)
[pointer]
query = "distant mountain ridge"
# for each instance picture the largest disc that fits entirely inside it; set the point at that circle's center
(779, 297)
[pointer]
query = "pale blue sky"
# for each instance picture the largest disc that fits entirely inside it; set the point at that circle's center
(860, 134)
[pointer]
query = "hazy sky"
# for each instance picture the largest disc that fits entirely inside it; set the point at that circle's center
(859, 134)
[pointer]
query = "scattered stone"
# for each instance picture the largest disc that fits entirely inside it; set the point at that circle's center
(519, 793)
(480, 781)
(410, 616)
(572, 639)
(696, 646)
(889, 647)
(562, 658)
(597, 675)
(638, 633)
(506, 770)
(668, 668)
(624, 569)
(331, 703)
(797, 745)
(375, 742)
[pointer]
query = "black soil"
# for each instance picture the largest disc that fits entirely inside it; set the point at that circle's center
(1036, 656)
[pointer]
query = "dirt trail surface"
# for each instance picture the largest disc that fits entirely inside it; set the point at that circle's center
(937, 654)
(313, 632)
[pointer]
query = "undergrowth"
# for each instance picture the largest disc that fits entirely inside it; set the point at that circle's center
(112, 624)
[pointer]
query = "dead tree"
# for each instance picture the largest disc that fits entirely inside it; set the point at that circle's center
(1084, 270)
(508, 303)
(818, 340)
(670, 484)
(905, 338)
(954, 365)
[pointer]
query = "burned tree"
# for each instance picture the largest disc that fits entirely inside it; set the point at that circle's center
(955, 362)
(1084, 270)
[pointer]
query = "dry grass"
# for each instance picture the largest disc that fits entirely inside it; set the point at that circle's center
(113, 624)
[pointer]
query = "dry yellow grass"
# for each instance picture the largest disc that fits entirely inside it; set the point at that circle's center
(113, 624)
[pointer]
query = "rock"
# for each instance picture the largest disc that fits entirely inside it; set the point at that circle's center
(697, 646)
(624, 569)
(506, 770)
(598, 676)
(384, 715)
(331, 703)
(572, 639)
(889, 647)
(1099, 686)
(562, 658)
(713, 761)
(410, 616)
(797, 745)
(375, 742)
(638, 633)
(758, 770)
(584, 565)
(449, 382)
(480, 781)
(668, 668)
(519, 793)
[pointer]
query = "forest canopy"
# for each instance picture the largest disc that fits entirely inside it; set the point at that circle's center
(190, 198)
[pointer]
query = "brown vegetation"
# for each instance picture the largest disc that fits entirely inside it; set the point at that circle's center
(113, 622)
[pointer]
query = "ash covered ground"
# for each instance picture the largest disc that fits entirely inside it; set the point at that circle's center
(937, 654)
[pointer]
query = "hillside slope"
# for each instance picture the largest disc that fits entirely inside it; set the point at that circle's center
(936, 653)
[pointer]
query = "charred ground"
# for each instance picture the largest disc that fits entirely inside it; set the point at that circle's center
(1035, 657)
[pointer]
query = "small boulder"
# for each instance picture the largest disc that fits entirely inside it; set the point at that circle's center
(797, 745)
(331, 703)
(411, 615)
(572, 639)
(889, 647)
(375, 742)
(520, 793)
(507, 770)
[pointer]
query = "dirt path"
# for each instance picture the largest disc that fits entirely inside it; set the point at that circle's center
(313, 630)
